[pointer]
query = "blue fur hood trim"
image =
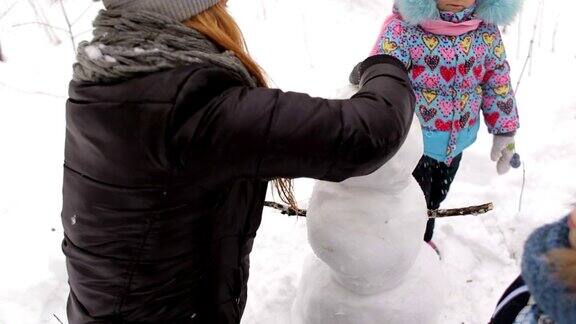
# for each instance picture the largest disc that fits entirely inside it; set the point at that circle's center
(497, 12)
(551, 295)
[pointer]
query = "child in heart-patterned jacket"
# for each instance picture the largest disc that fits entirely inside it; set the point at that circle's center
(458, 68)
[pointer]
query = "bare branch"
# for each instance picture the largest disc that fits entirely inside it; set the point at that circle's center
(440, 213)
(523, 187)
(70, 32)
(518, 47)
(529, 56)
(554, 35)
(58, 319)
(2, 84)
(2, 15)
(40, 24)
(42, 18)
(541, 22)
(82, 14)
(82, 33)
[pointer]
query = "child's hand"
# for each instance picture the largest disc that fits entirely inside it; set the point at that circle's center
(572, 225)
(503, 150)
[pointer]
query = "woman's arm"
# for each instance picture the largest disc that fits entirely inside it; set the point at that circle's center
(267, 133)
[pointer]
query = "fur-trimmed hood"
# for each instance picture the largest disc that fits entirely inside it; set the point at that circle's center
(498, 12)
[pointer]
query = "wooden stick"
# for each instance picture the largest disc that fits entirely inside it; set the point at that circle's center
(286, 210)
(440, 213)
(472, 210)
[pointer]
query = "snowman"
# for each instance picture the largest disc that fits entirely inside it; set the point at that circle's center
(370, 264)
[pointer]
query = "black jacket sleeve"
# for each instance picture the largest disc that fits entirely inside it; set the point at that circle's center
(267, 133)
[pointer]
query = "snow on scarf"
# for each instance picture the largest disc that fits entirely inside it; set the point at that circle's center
(127, 44)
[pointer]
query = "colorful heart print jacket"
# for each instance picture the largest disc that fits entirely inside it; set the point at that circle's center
(458, 68)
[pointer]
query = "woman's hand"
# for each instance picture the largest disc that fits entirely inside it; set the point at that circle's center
(355, 77)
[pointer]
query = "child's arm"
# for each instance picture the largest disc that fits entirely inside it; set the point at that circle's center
(390, 42)
(498, 101)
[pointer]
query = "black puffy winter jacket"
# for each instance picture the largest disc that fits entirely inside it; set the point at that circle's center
(165, 177)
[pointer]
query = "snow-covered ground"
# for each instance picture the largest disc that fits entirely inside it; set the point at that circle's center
(307, 46)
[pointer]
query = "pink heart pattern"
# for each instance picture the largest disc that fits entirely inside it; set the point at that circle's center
(431, 82)
(479, 52)
(398, 30)
(466, 83)
(447, 107)
(488, 102)
(501, 80)
(417, 52)
(448, 53)
(475, 107)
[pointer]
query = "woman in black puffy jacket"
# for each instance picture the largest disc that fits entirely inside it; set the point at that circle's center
(171, 140)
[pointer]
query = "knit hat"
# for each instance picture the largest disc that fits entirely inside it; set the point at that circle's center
(176, 9)
(552, 296)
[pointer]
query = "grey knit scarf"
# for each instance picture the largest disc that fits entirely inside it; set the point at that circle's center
(127, 44)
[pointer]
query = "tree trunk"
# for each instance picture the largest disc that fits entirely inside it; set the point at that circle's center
(1, 56)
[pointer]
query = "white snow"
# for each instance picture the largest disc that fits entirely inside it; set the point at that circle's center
(109, 59)
(93, 52)
(305, 46)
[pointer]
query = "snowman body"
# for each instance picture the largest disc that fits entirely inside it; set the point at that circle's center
(371, 265)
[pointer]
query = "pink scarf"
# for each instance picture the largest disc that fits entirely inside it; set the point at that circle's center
(437, 27)
(446, 28)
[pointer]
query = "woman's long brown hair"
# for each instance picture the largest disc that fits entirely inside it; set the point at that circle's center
(218, 26)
